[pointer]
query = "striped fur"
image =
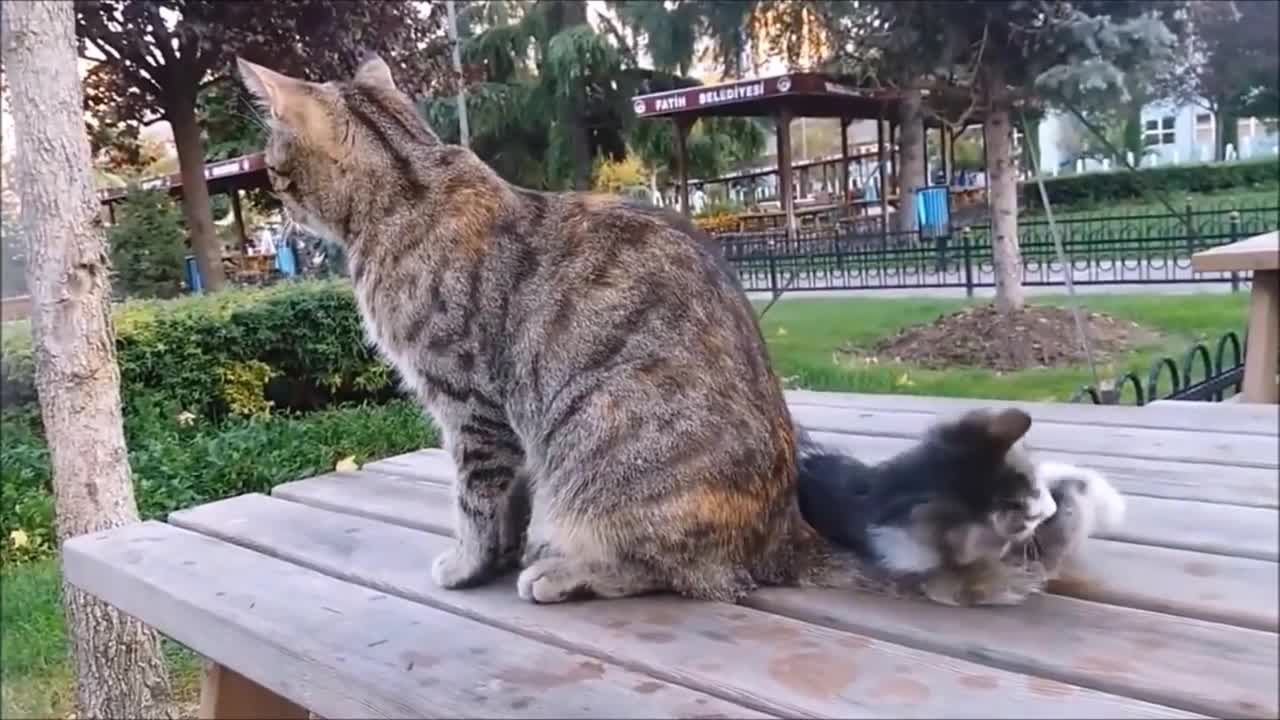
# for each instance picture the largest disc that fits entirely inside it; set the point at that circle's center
(596, 370)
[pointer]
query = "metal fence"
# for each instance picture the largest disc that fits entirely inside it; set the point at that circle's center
(1100, 250)
(1220, 376)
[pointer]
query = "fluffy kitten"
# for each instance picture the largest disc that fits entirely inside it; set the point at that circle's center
(592, 361)
(1087, 503)
(940, 517)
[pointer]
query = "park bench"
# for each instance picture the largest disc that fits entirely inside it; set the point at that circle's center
(1260, 255)
(319, 597)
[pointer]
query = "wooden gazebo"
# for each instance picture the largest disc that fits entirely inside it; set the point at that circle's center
(231, 176)
(784, 98)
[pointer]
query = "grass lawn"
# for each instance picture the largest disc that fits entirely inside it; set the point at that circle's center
(805, 335)
(33, 648)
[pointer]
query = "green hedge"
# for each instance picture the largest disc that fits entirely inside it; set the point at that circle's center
(178, 463)
(297, 346)
(1102, 187)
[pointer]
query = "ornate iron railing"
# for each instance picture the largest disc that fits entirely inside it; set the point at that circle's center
(1100, 250)
(1222, 371)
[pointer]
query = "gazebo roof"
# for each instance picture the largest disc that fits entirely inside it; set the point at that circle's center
(804, 94)
(239, 173)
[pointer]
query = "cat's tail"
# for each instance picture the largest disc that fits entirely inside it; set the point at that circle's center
(1104, 500)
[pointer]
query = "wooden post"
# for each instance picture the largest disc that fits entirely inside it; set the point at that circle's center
(228, 695)
(1260, 364)
(784, 168)
(895, 157)
(682, 126)
(239, 217)
(948, 154)
(924, 140)
(884, 182)
(844, 160)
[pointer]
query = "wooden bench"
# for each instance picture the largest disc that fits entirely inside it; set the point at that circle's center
(1261, 255)
(319, 597)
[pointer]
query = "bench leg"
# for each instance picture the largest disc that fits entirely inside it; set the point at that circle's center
(227, 695)
(1264, 335)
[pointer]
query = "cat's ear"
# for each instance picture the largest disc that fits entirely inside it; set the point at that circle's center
(374, 72)
(275, 92)
(1008, 426)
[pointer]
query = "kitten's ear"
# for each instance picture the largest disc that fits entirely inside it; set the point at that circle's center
(272, 89)
(374, 72)
(1008, 426)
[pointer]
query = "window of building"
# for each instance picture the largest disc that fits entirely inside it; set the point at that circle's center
(1204, 128)
(1158, 132)
(1249, 128)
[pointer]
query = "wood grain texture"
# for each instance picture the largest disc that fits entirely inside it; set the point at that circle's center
(1233, 530)
(1202, 586)
(1219, 670)
(343, 650)
(1202, 417)
(227, 695)
(771, 663)
(1236, 591)
(1179, 445)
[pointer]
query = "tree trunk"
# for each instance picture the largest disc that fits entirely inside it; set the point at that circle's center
(196, 207)
(119, 668)
(911, 162)
(1002, 177)
(579, 150)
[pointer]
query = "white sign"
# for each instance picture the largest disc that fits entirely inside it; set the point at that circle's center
(675, 102)
(731, 93)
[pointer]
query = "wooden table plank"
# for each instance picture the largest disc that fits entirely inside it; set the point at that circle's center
(1202, 417)
(1251, 487)
(1260, 252)
(1214, 587)
(1180, 445)
(773, 664)
(1220, 670)
(342, 650)
(1234, 530)
(1204, 527)
(1236, 591)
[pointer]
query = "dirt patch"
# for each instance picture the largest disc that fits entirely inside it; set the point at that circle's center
(1038, 336)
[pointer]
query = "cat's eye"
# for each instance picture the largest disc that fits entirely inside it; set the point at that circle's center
(279, 181)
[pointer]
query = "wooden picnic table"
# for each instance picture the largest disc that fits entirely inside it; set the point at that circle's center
(1261, 255)
(319, 597)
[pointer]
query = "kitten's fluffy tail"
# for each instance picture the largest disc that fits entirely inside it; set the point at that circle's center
(818, 515)
(1106, 502)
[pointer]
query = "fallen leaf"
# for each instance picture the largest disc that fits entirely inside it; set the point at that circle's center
(347, 464)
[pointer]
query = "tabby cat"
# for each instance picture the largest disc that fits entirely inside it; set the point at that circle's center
(941, 517)
(595, 368)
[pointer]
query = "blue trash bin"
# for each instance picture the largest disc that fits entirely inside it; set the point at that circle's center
(193, 275)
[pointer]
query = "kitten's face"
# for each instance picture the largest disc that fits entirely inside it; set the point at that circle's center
(996, 479)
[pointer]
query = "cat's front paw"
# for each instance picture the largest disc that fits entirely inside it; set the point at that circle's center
(455, 569)
(550, 580)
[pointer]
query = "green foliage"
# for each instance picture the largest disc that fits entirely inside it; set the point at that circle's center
(147, 245)
(1174, 181)
(244, 388)
(205, 354)
(178, 464)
